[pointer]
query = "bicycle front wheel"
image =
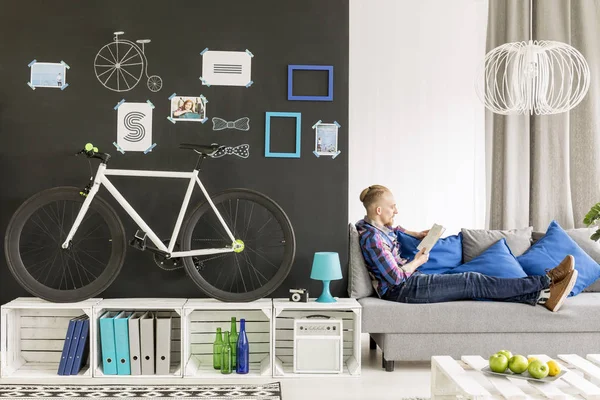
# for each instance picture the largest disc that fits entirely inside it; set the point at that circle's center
(37, 260)
(268, 251)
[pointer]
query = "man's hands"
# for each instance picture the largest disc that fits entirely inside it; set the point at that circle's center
(420, 259)
(418, 235)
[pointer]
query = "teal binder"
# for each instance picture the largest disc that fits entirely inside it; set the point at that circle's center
(107, 343)
(122, 342)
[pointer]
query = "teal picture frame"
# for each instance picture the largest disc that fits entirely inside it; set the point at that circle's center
(271, 114)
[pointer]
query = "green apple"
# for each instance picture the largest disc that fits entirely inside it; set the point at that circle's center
(498, 362)
(506, 353)
(538, 369)
(518, 364)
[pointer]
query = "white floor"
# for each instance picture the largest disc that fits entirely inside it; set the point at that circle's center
(409, 379)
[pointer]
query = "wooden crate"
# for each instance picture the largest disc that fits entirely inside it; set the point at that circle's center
(284, 313)
(204, 316)
(163, 306)
(33, 335)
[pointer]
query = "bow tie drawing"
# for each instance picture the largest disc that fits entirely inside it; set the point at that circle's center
(242, 124)
(243, 150)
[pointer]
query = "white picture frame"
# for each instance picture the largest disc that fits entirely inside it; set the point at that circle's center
(188, 109)
(326, 139)
(48, 75)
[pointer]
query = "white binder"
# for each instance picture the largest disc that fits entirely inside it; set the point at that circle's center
(163, 343)
(147, 342)
(135, 357)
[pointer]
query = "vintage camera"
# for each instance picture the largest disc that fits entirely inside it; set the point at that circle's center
(299, 295)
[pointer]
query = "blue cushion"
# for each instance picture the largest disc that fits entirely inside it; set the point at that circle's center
(496, 261)
(445, 255)
(551, 249)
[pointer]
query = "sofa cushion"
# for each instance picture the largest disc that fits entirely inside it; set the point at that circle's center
(550, 250)
(476, 241)
(581, 236)
(359, 280)
(578, 314)
(445, 255)
(496, 261)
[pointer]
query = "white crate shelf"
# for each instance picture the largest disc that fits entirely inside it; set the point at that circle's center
(162, 306)
(284, 313)
(204, 316)
(33, 335)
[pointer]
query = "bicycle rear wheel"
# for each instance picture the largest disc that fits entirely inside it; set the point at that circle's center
(269, 246)
(38, 262)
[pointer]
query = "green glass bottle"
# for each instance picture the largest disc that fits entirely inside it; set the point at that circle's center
(217, 350)
(226, 355)
(233, 338)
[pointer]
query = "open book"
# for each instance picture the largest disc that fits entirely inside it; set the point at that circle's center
(432, 237)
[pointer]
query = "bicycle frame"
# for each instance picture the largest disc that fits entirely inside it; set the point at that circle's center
(101, 179)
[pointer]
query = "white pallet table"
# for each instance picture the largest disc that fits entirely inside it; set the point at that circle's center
(586, 388)
(172, 305)
(449, 379)
(202, 317)
(503, 385)
(589, 369)
(33, 335)
(284, 313)
(595, 358)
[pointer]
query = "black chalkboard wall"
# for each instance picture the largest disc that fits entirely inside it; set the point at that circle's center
(41, 129)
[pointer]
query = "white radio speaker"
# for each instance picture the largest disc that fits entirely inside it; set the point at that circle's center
(318, 345)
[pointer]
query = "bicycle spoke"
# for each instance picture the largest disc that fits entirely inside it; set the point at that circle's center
(249, 220)
(129, 73)
(241, 273)
(110, 61)
(111, 74)
(107, 71)
(124, 80)
(111, 53)
(255, 252)
(130, 65)
(133, 56)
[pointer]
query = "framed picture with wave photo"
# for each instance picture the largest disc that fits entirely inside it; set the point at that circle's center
(188, 108)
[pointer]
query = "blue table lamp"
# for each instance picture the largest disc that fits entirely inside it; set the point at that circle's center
(326, 267)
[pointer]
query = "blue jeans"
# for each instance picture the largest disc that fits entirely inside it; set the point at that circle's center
(437, 288)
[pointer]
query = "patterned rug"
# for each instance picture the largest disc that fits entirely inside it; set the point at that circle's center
(269, 391)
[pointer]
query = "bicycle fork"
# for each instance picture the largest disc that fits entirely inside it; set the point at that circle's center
(84, 208)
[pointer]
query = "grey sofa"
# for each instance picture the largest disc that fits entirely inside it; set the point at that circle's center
(415, 332)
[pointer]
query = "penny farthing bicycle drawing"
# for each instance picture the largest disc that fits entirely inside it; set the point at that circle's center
(119, 65)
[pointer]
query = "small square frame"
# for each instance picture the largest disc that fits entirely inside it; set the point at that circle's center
(269, 115)
(292, 68)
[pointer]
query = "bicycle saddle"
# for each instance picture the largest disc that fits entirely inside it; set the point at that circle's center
(209, 150)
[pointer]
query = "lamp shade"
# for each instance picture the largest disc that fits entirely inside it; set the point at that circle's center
(326, 267)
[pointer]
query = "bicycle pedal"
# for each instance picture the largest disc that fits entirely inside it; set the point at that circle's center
(139, 240)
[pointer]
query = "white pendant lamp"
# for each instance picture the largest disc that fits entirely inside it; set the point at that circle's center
(538, 77)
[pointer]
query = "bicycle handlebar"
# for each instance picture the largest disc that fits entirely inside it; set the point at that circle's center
(91, 151)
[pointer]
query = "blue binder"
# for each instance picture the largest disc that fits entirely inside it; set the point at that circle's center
(107, 343)
(66, 346)
(73, 346)
(82, 347)
(122, 343)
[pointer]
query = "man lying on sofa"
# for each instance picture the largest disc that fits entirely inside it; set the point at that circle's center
(401, 281)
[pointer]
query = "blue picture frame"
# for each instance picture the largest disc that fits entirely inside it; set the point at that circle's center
(269, 115)
(292, 68)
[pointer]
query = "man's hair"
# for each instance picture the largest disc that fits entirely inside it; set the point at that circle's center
(370, 195)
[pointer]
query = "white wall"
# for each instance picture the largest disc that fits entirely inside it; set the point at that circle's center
(416, 124)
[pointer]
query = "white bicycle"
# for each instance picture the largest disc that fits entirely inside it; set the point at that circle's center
(119, 65)
(66, 244)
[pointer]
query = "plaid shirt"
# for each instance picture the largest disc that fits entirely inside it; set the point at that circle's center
(381, 250)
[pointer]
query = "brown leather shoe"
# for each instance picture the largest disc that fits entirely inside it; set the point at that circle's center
(560, 290)
(559, 272)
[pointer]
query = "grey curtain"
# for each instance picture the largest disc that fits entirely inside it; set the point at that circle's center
(541, 168)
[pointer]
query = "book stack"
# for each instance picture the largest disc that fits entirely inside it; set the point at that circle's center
(135, 343)
(76, 346)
